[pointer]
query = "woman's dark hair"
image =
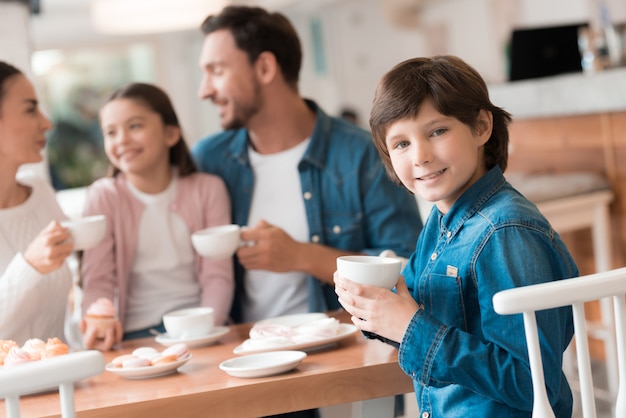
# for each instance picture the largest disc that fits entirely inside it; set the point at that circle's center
(7, 71)
(255, 30)
(455, 89)
(157, 100)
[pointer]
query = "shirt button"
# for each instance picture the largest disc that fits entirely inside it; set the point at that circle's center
(449, 234)
(307, 195)
(315, 238)
(337, 229)
(425, 414)
(433, 256)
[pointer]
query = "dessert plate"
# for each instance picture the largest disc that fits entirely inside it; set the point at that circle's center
(147, 371)
(194, 342)
(345, 330)
(263, 364)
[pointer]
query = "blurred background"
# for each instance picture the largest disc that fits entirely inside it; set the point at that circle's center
(77, 51)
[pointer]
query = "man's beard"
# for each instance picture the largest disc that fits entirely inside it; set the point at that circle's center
(243, 113)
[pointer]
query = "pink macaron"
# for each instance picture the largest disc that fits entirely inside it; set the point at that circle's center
(136, 362)
(180, 350)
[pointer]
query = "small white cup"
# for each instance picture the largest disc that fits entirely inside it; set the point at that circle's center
(86, 232)
(189, 323)
(370, 270)
(217, 242)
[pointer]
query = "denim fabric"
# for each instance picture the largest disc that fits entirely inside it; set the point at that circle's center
(350, 202)
(464, 358)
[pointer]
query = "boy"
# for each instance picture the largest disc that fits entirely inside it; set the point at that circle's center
(440, 136)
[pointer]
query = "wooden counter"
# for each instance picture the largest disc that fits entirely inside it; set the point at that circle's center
(355, 369)
(572, 123)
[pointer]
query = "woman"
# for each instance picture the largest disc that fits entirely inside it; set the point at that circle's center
(34, 280)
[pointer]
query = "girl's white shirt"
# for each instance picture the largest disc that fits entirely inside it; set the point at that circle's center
(163, 276)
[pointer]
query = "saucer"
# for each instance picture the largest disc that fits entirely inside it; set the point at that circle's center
(264, 364)
(193, 342)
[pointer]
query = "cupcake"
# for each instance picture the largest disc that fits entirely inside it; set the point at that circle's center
(100, 315)
(5, 346)
(55, 347)
(16, 356)
(35, 347)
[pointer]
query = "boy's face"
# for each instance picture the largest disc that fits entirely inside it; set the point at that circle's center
(438, 157)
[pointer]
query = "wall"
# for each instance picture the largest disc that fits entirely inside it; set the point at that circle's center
(358, 40)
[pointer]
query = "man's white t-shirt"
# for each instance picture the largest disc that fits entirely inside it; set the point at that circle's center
(277, 199)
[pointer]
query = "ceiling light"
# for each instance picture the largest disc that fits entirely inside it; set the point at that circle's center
(124, 17)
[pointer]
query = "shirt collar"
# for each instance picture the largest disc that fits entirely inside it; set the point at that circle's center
(472, 200)
(315, 153)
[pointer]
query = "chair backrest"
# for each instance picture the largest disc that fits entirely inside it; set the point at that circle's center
(575, 292)
(47, 374)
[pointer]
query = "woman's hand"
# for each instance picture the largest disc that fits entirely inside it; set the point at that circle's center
(376, 309)
(49, 249)
(112, 335)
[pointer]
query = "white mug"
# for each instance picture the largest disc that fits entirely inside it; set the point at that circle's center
(86, 232)
(189, 323)
(370, 270)
(217, 242)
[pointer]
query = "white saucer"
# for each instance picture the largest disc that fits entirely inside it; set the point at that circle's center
(193, 342)
(263, 364)
(147, 371)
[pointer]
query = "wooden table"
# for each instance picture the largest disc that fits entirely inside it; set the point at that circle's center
(355, 369)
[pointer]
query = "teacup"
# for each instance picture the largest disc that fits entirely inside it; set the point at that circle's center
(86, 232)
(189, 323)
(217, 242)
(370, 270)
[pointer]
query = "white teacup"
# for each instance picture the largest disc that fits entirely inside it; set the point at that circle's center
(86, 232)
(189, 323)
(370, 270)
(217, 242)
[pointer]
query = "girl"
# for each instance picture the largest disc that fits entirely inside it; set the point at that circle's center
(154, 200)
(34, 280)
(440, 136)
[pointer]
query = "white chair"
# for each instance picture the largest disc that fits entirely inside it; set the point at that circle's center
(61, 371)
(575, 292)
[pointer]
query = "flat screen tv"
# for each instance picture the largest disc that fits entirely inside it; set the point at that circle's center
(545, 51)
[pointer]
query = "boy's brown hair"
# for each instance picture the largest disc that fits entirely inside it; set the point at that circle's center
(455, 89)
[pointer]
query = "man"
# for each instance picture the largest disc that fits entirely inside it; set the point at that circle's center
(309, 187)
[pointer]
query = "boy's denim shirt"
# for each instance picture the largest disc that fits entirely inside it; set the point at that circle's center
(350, 202)
(464, 358)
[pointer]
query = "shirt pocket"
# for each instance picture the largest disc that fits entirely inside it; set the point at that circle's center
(444, 299)
(344, 230)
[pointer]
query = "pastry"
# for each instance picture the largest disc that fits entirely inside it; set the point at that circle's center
(16, 356)
(164, 359)
(134, 362)
(180, 350)
(5, 346)
(119, 360)
(35, 347)
(146, 352)
(100, 315)
(54, 347)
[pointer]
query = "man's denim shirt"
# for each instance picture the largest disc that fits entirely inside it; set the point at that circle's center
(350, 202)
(464, 358)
